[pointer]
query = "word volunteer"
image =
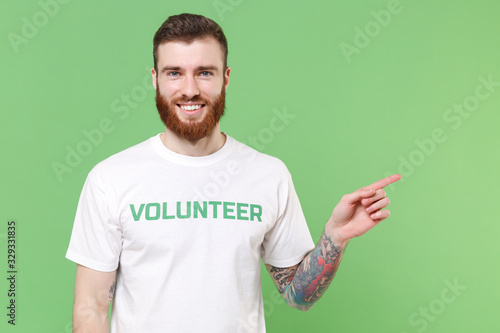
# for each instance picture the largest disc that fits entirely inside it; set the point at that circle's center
(195, 209)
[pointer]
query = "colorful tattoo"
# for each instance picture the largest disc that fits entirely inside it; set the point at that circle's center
(312, 277)
(282, 276)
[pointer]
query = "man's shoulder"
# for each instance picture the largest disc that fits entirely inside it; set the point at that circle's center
(138, 153)
(257, 159)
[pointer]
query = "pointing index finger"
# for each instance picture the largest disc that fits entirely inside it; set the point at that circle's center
(384, 182)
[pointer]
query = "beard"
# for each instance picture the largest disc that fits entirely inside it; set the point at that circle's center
(191, 130)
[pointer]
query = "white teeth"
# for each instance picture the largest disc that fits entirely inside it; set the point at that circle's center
(190, 107)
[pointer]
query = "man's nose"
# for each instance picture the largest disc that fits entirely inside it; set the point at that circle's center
(190, 87)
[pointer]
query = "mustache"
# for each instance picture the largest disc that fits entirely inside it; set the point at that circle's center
(192, 100)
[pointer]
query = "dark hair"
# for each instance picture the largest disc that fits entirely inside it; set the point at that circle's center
(186, 28)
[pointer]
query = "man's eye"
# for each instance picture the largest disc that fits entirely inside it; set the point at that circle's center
(205, 73)
(173, 73)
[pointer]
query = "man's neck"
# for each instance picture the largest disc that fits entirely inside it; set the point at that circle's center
(206, 146)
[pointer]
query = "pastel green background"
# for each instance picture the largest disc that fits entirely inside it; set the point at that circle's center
(357, 118)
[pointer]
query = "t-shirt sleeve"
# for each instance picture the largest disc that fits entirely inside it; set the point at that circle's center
(96, 239)
(289, 240)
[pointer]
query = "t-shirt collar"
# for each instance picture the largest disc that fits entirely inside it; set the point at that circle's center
(195, 161)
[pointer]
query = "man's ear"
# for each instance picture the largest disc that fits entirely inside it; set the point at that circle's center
(226, 77)
(153, 77)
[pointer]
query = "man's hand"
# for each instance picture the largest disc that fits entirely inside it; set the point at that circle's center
(303, 284)
(358, 212)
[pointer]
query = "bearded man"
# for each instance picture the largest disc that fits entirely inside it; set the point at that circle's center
(174, 252)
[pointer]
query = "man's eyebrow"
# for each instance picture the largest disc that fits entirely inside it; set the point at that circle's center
(170, 68)
(203, 68)
(199, 68)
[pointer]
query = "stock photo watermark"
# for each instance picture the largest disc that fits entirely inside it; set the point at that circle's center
(452, 117)
(250, 324)
(92, 138)
(363, 36)
(30, 26)
(421, 319)
(217, 181)
(276, 125)
(224, 6)
(68, 328)
(12, 271)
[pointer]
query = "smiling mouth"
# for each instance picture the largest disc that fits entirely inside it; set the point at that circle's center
(191, 110)
(192, 107)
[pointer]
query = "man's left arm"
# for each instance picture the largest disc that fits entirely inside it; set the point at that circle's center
(356, 213)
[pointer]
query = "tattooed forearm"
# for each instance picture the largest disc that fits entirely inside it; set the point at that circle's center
(314, 274)
(282, 276)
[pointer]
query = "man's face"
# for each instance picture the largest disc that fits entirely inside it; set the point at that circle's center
(190, 87)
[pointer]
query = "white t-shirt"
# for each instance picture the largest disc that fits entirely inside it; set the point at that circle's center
(186, 235)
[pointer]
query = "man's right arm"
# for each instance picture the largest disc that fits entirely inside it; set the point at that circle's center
(94, 291)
